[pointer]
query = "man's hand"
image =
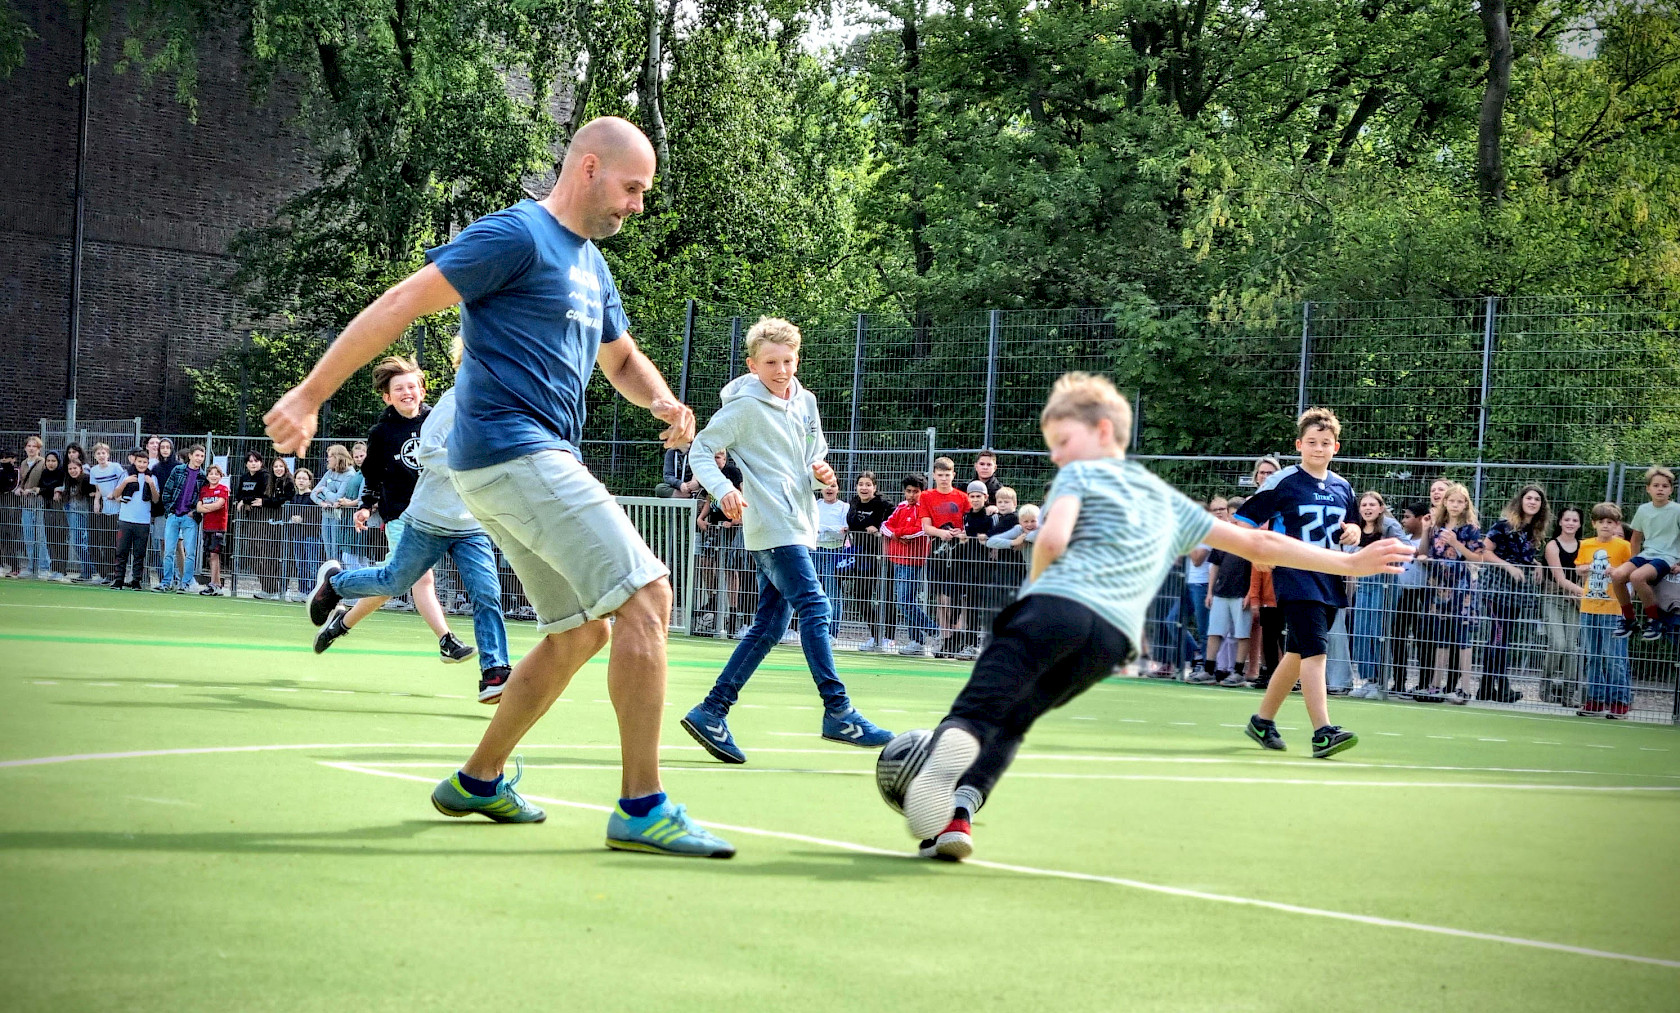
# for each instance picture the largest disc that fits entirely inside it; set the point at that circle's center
(362, 519)
(291, 422)
(732, 504)
(1386, 556)
(823, 473)
(1350, 534)
(678, 419)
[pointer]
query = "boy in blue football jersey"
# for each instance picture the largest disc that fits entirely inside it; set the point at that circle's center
(1311, 503)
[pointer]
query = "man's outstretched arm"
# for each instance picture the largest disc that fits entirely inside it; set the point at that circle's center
(291, 422)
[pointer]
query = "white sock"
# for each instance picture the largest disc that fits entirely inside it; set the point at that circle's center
(969, 797)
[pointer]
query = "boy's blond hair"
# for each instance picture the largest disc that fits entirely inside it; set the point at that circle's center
(771, 331)
(944, 464)
(1088, 398)
(1607, 512)
(1012, 493)
(1318, 418)
(1657, 470)
(1027, 513)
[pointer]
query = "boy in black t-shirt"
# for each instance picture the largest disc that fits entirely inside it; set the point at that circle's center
(1228, 616)
(860, 571)
(721, 560)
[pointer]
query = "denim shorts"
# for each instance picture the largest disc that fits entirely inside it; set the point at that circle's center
(576, 553)
(1662, 566)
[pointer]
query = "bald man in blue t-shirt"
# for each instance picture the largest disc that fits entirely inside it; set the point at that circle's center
(539, 311)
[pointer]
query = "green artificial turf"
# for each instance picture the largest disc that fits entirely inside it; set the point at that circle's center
(273, 880)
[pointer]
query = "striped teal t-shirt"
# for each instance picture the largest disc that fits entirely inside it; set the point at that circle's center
(1131, 527)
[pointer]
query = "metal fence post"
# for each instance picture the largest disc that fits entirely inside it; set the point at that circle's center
(1489, 310)
(734, 343)
(857, 396)
(420, 346)
(933, 439)
(138, 442)
(244, 384)
(1306, 358)
(992, 319)
(687, 351)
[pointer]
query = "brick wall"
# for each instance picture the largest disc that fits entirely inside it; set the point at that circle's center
(164, 197)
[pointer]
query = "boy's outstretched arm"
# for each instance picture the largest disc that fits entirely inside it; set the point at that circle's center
(1271, 549)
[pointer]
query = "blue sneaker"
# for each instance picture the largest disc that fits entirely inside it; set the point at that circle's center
(712, 731)
(854, 729)
(666, 830)
(506, 806)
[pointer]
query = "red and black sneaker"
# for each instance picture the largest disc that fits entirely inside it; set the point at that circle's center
(1617, 711)
(1591, 709)
(954, 843)
(491, 682)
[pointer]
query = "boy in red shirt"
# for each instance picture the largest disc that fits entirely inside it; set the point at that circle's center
(212, 508)
(942, 509)
(907, 550)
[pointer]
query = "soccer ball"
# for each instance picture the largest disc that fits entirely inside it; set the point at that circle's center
(899, 763)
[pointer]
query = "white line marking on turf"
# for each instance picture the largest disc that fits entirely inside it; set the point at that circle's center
(1490, 740)
(163, 685)
(1391, 734)
(1652, 749)
(1078, 717)
(346, 692)
(1044, 776)
(1086, 877)
(1437, 736)
(161, 801)
(1594, 745)
(1187, 724)
(107, 684)
(46, 682)
(1545, 742)
(1134, 721)
(1224, 725)
(281, 689)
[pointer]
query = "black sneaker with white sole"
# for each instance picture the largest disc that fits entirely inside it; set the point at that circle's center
(452, 652)
(1264, 732)
(491, 682)
(323, 600)
(929, 800)
(331, 630)
(1332, 739)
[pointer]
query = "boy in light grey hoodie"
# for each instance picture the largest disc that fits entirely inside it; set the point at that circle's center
(770, 426)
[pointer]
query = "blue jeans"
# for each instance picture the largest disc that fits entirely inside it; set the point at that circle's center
(1197, 593)
(787, 583)
(77, 521)
(1376, 597)
(825, 560)
(907, 583)
(185, 528)
(36, 557)
(1607, 661)
(475, 560)
(302, 548)
(329, 535)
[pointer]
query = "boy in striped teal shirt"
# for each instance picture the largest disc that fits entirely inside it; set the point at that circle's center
(1111, 531)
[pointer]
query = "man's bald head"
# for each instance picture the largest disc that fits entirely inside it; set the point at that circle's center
(608, 166)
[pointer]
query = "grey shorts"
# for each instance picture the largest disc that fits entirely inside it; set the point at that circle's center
(571, 544)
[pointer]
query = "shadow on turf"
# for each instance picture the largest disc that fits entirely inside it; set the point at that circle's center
(229, 702)
(356, 841)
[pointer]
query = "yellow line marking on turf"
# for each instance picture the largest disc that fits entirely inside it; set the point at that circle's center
(1086, 877)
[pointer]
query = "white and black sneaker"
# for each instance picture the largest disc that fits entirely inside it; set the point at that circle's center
(929, 801)
(323, 600)
(331, 630)
(491, 682)
(452, 652)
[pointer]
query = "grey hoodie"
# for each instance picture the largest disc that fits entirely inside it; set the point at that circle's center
(774, 442)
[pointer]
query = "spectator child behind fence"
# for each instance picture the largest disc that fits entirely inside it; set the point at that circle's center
(1228, 617)
(985, 470)
(302, 533)
(1656, 552)
(1411, 611)
(907, 551)
(136, 493)
(213, 515)
(180, 498)
(865, 515)
(80, 499)
(942, 508)
(106, 473)
(1607, 692)
(1455, 540)
(1560, 609)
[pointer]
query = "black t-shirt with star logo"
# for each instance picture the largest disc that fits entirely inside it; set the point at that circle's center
(393, 462)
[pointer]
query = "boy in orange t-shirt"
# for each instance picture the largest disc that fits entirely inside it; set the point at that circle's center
(1608, 691)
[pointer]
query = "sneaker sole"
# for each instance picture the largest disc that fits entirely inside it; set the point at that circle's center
(953, 847)
(927, 802)
(654, 849)
(1260, 740)
(491, 695)
(853, 742)
(450, 659)
(1320, 754)
(710, 746)
(319, 613)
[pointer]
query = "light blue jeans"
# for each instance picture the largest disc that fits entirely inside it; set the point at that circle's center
(1376, 597)
(825, 561)
(907, 584)
(185, 528)
(34, 524)
(76, 519)
(787, 584)
(1606, 661)
(302, 546)
(418, 550)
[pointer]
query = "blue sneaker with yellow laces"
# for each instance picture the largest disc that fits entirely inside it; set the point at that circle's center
(506, 806)
(665, 830)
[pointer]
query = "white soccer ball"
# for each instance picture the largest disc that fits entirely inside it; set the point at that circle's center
(899, 763)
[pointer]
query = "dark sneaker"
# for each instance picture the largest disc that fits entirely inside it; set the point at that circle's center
(1654, 629)
(451, 651)
(1330, 740)
(323, 600)
(929, 798)
(333, 629)
(712, 731)
(491, 682)
(854, 729)
(1617, 712)
(1266, 734)
(1624, 628)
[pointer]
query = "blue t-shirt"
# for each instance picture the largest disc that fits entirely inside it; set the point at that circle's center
(1310, 510)
(537, 300)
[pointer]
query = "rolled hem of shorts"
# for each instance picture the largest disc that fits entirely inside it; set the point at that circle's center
(610, 602)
